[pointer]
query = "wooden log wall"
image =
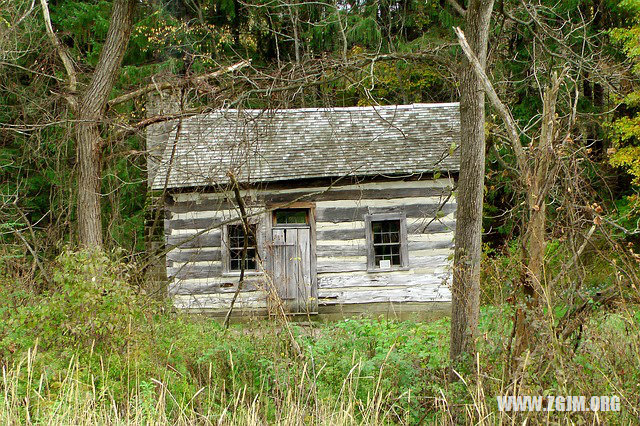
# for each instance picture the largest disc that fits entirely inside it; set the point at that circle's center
(195, 267)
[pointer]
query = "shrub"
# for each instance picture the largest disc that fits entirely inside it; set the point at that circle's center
(90, 304)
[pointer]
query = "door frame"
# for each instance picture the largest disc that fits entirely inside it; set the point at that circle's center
(271, 208)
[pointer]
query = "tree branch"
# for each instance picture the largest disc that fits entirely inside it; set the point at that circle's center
(513, 18)
(245, 225)
(503, 111)
(458, 8)
(62, 52)
(126, 130)
(171, 84)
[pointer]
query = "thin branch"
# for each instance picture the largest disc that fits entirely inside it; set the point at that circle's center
(245, 225)
(512, 17)
(439, 209)
(503, 111)
(9, 64)
(62, 52)
(27, 13)
(458, 8)
(36, 259)
(172, 84)
(127, 130)
(575, 258)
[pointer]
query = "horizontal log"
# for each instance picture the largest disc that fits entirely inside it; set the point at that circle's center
(429, 237)
(356, 193)
(350, 214)
(206, 204)
(434, 261)
(429, 245)
(191, 270)
(213, 286)
(382, 279)
(337, 264)
(386, 203)
(436, 226)
(253, 299)
(357, 295)
(340, 234)
(208, 239)
(194, 255)
(223, 215)
(202, 223)
(341, 250)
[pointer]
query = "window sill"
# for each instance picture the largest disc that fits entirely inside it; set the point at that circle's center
(237, 273)
(396, 269)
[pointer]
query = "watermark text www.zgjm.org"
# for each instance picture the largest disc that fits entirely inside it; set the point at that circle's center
(558, 403)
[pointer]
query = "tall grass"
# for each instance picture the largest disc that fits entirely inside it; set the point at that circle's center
(29, 397)
(94, 351)
(311, 391)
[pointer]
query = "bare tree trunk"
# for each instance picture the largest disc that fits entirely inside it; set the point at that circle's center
(537, 179)
(343, 33)
(294, 22)
(535, 241)
(468, 236)
(90, 112)
(541, 180)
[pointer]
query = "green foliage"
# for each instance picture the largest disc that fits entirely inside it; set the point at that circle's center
(176, 365)
(90, 305)
(624, 130)
(85, 24)
(398, 358)
(92, 328)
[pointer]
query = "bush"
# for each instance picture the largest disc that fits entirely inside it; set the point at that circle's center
(90, 305)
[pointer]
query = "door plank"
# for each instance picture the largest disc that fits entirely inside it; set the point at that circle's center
(293, 264)
(304, 284)
(278, 236)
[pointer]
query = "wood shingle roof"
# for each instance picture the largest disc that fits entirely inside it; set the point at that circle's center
(276, 145)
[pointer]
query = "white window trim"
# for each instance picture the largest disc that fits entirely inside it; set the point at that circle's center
(404, 252)
(225, 255)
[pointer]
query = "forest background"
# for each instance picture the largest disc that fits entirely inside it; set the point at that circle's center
(85, 332)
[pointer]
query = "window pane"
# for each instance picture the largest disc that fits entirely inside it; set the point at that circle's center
(236, 246)
(386, 241)
(285, 216)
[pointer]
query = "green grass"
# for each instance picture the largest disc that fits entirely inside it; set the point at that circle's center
(92, 350)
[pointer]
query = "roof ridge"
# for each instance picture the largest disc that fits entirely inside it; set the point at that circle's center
(340, 109)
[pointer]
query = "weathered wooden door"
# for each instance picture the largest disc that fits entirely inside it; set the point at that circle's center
(291, 269)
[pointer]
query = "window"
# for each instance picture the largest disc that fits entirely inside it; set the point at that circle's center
(235, 244)
(386, 241)
(291, 217)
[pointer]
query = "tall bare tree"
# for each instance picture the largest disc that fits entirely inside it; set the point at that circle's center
(468, 236)
(536, 177)
(89, 108)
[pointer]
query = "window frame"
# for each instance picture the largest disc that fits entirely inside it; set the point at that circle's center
(404, 253)
(225, 250)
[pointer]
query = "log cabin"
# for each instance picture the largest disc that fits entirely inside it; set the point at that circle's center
(347, 209)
